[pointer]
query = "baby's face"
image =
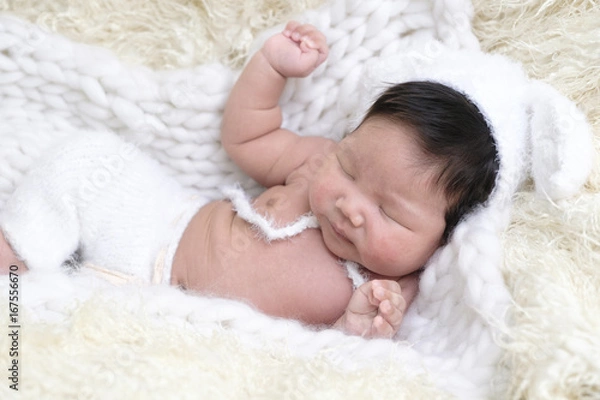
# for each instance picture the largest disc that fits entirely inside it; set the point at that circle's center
(375, 201)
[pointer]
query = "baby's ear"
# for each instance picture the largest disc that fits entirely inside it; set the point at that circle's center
(562, 150)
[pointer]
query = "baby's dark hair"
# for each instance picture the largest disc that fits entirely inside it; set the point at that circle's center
(454, 134)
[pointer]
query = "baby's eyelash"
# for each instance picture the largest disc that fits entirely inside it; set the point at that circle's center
(387, 215)
(402, 224)
(344, 170)
(384, 213)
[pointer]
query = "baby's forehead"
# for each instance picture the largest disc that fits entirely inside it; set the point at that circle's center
(394, 160)
(393, 147)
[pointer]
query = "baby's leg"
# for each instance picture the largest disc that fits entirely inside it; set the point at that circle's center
(97, 194)
(38, 220)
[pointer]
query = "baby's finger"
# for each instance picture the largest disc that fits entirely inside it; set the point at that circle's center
(306, 45)
(290, 27)
(311, 37)
(303, 30)
(382, 328)
(316, 40)
(393, 314)
(388, 285)
(387, 290)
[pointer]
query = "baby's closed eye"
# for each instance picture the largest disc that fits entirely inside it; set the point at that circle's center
(393, 217)
(386, 214)
(345, 170)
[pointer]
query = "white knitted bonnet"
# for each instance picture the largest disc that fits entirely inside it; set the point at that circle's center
(460, 309)
(537, 130)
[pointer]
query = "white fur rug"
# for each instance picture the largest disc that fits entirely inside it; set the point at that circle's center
(81, 337)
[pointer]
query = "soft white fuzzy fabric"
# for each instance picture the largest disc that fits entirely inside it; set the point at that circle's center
(52, 86)
(241, 203)
(101, 196)
(538, 132)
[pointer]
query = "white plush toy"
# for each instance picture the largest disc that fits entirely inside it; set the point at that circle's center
(461, 307)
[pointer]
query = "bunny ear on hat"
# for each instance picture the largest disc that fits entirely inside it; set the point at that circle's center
(562, 148)
(538, 131)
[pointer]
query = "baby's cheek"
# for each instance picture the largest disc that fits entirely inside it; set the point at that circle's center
(321, 200)
(387, 254)
(320, 185)
(315, 195)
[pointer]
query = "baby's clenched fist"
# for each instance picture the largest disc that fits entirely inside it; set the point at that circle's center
(297, 51)
(376, 309)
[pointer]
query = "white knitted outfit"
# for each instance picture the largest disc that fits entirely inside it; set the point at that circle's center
(102, 197)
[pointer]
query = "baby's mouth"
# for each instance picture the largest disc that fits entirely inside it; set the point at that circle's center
(339, 233)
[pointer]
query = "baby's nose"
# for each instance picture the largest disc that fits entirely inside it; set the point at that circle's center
(357, 220)
(350, 211)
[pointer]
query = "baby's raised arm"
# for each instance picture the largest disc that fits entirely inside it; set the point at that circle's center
(251, 131)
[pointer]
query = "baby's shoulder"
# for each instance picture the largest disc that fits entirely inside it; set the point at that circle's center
(312, 163)
(283, 204)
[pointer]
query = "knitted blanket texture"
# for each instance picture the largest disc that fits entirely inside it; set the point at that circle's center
(469, 333)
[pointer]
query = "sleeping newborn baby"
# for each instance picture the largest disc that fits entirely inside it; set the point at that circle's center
(338, 237)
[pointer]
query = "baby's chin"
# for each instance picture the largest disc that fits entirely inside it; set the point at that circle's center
(365, 271)
(370, 275)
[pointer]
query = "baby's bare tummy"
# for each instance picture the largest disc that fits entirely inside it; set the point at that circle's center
(221, 254)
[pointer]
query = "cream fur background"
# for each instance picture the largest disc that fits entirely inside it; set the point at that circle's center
(552, 250)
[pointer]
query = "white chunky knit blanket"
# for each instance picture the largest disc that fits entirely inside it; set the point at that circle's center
(51, 86)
